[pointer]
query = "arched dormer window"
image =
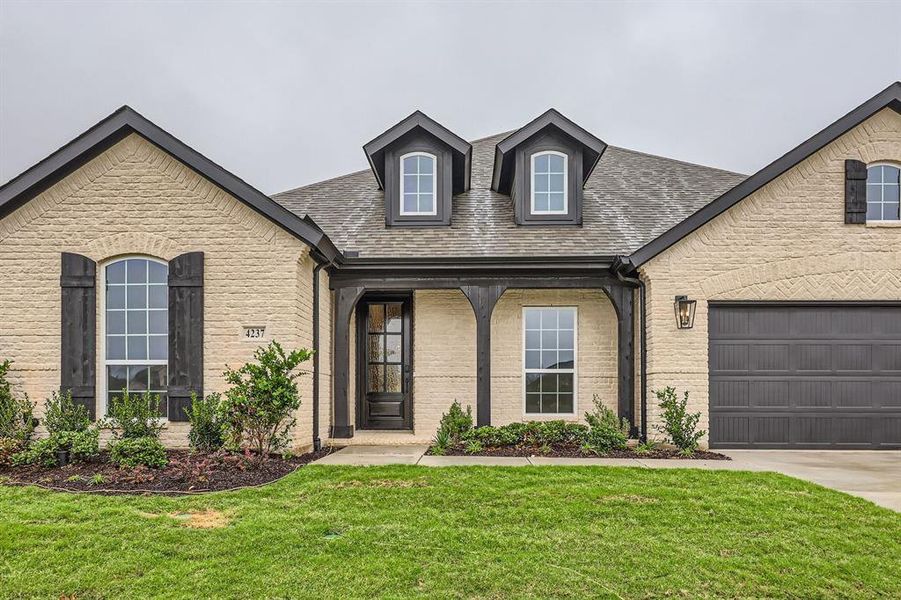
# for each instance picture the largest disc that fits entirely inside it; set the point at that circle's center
(136, 327)
(417, 184)
(549, 185)
(883, 189)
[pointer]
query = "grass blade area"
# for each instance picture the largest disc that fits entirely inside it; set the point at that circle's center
(489, 532)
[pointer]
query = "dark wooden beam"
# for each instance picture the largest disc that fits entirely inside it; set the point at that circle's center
(345, 301)
(483, 299)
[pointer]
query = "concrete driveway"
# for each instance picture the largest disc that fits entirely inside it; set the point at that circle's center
(874, 475)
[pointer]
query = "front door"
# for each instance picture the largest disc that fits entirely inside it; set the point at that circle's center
(384, 353)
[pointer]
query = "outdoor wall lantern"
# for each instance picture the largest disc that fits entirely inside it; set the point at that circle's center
(685, 312)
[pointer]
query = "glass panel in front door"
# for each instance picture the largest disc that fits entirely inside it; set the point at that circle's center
(384, 350)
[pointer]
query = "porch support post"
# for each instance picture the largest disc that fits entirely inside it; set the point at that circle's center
(622, 297)
(483, 299)
(345, 300)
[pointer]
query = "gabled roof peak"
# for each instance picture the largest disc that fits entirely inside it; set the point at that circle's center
(592, 146)
(461, 148)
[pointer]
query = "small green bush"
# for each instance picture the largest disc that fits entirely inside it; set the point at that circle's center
(134, 452)
(606, 431)
(473, 447)
(17, 420)
(207, 424)
(533, 434)
(260, 404)
(134, 416)
(41, 453)
(81, 445)
(453, 425)
(679, 426)
(61, 414)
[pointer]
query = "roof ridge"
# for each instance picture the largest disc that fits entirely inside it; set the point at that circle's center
(676, 160)
(320, 182)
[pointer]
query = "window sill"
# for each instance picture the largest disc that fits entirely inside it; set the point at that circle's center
(883, 223)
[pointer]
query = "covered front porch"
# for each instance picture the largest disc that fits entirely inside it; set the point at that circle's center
(515, 343)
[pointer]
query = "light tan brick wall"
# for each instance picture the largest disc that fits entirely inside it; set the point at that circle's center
(444, 356)
(136, 199)
(787, 241)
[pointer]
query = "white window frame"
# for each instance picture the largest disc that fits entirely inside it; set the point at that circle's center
(884, 163)
(565, 183)
(104, 363)
(574, 370)
(434, 210)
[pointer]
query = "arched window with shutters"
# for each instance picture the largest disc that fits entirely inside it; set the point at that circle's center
(135, 328)
(883, 191)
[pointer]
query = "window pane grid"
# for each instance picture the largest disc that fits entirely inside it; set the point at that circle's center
(548, 183)
(136, 328)
(549, 360)
(384, 355)
(883, 191)
(418, 184)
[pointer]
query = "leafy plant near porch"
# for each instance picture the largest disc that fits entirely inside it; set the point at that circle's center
(16, 417)
(679, 426)
(259, 406)
(606, 431)
(453, 425)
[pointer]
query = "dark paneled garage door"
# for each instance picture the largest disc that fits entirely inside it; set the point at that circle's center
(805, 376)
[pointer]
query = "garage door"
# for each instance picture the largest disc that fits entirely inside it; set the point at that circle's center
(805, 376)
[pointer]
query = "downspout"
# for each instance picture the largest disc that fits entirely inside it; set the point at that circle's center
(620, 266)
(320, 263)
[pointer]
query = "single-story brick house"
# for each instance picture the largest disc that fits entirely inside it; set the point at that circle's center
(520, 274)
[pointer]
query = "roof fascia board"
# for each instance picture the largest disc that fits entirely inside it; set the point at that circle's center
(126, 120)
(888, 98)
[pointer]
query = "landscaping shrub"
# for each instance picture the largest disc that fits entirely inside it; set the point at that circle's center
(132, 416)
(259, 406)
(207, 424)
(606, 431)
(679, 426)
(138, 451)
(453, 425)
(61, 414)
(533, 434)
(69, 429)
(16, 416)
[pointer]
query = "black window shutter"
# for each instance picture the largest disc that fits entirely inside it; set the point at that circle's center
(78, 341)
(185, 332)
(855, 192)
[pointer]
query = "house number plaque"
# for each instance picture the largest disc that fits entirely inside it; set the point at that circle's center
(254, 333)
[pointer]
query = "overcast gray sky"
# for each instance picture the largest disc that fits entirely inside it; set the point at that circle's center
(286, 93)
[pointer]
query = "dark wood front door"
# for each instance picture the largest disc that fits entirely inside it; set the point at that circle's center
(384, 355)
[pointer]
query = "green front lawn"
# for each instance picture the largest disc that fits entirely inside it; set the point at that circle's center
(344, 532)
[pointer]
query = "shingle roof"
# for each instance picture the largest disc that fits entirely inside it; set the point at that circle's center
(630, 199)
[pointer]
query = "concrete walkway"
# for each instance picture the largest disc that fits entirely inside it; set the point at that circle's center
(874, 475)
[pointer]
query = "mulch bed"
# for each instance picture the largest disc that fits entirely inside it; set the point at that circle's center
(186, 473)
(575, 452)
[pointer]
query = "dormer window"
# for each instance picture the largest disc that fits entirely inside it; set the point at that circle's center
(417, 184)
(421, 166)
(883, 190)
(549, 175)
(543, 167)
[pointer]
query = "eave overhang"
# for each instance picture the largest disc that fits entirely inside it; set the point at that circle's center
(126, 121)
(889, 98)
(504, 153)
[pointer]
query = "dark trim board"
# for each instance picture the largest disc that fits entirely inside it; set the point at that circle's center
(483, 292)
(890, 97)
(125, 121)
